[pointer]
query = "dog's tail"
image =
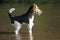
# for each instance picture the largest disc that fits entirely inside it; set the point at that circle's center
(10, 12)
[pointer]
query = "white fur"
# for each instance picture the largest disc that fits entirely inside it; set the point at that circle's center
(11, 10)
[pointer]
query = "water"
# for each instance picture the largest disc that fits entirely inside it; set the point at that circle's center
(46, 26)
(15, 36)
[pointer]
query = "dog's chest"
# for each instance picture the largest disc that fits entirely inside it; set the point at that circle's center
(31, 19)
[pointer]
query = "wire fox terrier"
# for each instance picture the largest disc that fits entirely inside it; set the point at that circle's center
(26, 18)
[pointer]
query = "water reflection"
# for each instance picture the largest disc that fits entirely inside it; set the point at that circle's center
(30, 37)
(19, 37)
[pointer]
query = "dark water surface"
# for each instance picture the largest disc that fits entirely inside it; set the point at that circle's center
(46, 27)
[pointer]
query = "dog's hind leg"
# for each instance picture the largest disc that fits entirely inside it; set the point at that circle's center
(17, 26)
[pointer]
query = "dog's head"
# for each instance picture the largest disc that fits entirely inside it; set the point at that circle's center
(35, 9)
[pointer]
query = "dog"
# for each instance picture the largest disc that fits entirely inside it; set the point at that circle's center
(26, 18)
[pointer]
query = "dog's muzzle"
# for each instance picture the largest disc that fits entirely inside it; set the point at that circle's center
(39, 12)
